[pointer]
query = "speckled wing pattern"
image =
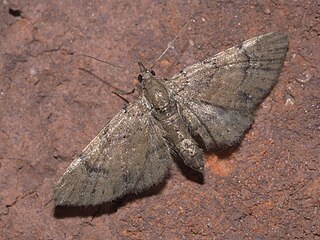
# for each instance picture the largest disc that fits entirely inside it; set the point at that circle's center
(128, 155)
(218, 96)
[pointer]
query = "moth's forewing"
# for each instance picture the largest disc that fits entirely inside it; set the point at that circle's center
(116, 162)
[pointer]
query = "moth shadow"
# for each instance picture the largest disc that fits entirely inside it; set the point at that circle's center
(188, 172)
(225, 153)
(61, 212)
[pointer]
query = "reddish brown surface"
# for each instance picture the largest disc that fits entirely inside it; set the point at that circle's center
(268, 189)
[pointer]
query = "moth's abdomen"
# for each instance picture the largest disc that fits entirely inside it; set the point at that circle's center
(180, 138)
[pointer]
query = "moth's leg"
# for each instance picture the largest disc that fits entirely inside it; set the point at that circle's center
(118, 90)
(124, 99)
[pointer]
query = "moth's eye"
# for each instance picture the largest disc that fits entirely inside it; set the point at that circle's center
(152, 72)
(140, 78)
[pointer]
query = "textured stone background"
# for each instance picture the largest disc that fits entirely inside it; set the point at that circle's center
(269, 188)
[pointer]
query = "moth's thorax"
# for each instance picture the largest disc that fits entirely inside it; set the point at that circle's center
(156, 93)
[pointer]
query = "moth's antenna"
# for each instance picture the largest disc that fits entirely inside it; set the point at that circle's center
(170, 44)
(103, 61)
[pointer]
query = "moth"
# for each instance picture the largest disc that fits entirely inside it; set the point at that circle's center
(210, 103)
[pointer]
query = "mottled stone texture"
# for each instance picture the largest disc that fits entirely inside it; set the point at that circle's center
(268, 188)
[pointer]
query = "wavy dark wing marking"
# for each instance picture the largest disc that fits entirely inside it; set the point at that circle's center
(219, 95)
(239, 77)
(116, 161)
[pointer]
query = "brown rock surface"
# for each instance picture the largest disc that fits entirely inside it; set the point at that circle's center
(269, 188)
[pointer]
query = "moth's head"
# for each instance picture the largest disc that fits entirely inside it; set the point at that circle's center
(145, 73)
